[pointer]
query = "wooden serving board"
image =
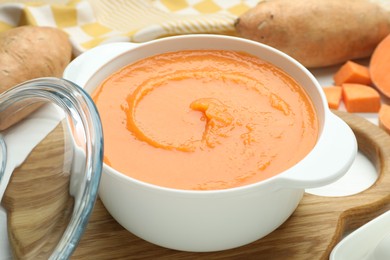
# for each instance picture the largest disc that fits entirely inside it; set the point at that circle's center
(316, 226)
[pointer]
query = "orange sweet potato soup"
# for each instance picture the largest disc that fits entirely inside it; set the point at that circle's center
(204, 120)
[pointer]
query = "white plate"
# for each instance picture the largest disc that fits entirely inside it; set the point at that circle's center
(362, 244)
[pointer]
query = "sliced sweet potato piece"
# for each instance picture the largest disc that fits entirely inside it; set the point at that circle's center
(360, 98)
(333, 96)
(352, 72)
(380, 67)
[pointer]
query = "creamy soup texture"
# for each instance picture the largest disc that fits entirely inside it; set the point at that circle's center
(204, 120)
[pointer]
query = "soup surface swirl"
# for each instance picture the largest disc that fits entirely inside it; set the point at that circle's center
(204, 120)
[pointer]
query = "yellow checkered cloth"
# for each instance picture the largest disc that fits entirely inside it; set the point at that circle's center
(93, 22)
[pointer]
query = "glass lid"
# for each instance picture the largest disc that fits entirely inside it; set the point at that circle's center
(51, 149)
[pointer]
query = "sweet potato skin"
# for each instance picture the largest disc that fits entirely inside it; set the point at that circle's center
(317, 33)
(29, 52)
(26, 53)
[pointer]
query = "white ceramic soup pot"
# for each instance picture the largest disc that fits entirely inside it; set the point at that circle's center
(213, 220)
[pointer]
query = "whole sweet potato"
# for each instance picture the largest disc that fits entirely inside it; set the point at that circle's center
(317, 33)
(29, 52)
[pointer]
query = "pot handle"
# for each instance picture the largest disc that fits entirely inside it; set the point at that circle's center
(85, 65)
(328, 161)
